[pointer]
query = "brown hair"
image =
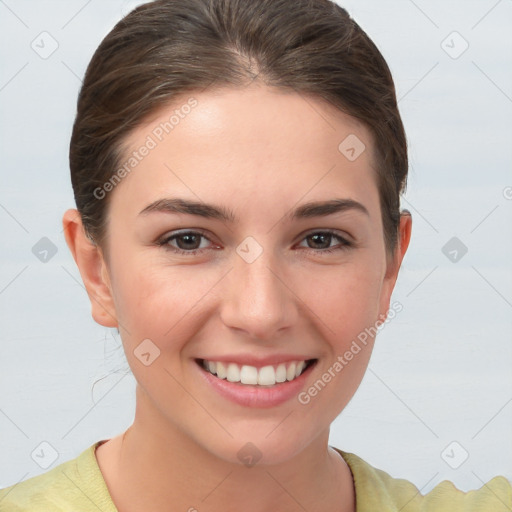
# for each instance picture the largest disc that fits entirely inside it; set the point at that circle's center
(169, 47)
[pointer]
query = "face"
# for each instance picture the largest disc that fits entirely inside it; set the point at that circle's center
(244, 237)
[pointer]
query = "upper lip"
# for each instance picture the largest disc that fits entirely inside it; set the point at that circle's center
(258, 362)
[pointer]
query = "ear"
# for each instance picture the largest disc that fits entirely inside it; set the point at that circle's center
(395, 261)
(93, 269)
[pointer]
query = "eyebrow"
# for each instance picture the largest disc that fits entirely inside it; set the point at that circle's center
(210, 211)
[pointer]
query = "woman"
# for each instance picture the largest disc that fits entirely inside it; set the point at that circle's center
(237, 169)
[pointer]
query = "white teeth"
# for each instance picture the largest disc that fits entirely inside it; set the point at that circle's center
(233, 373)
(267, 376)
(221, 370)
(249, 375)
(281, 373)
(290, 372)
(264, 376)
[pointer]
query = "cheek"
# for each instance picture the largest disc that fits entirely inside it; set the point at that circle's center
(346, 299)
(157, 301)
(163, 306)
(348, 303)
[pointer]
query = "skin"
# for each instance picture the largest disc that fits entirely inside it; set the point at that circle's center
(261, 153)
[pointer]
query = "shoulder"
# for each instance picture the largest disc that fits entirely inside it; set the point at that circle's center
(74, 484)
(377, 490)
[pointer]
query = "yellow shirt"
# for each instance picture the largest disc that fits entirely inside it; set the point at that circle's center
(78, 485)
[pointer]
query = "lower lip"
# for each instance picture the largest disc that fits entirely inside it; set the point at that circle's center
(256, 396)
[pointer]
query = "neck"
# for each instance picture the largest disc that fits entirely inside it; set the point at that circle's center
(153, 465)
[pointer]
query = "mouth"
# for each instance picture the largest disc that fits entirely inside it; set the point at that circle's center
(265, 376)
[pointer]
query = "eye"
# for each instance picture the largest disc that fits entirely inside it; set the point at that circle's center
(320, 242)
(185, 242)
(193, 242)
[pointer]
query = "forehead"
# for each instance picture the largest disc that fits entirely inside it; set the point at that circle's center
(256, 142)
(254, 116)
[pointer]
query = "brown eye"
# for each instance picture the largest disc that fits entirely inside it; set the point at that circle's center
(321, 242)
(186, 242)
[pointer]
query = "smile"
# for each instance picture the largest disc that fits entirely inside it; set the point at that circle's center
(250, 375)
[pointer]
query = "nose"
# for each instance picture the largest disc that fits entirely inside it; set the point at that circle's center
(257, 299)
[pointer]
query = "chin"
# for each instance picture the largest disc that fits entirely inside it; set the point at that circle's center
(261, 446)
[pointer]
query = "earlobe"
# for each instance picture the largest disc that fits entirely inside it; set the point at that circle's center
(93, 269)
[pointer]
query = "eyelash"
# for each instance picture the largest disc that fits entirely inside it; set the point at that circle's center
(345, 244)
